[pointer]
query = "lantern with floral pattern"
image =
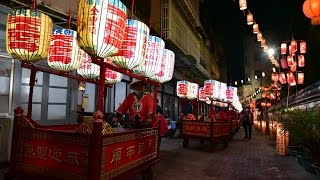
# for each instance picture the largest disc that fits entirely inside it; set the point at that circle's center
(291, 79)
(293, 67)
(290, 60)
(303, 47)
(294, 47)
(282, 78)
(301, 61)
(283, 48)
(28, 34)
(300, 78)
(259, 36)
(284, 63)
(274, 77)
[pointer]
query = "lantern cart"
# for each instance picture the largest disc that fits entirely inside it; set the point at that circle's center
(92, 150)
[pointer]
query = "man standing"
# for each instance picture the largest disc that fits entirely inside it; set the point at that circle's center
(247, 121)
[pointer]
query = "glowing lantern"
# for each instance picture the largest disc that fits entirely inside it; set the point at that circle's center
(243, 4)
(265, 48)
(282, 78)
(133, 48)
(284, 63)
(290, 60)
(28, 34)
(101, 26)
(167, 67)
(294, 47)
(259, 36)
(223, 89)
(291, 79)
(212, 88)
(311, 9)
(229, 94)
(301, 61)
(263, 104)
(263, 42)
(284, 48)
(250, 20)
(64, 53)
(300, 78)
(192, 91)
(268, 104)
(255, 28)
(112, 76)
(154, 53)
(274, 77)
(293, 68)
(303, 47)
(202, 95)
(87, 68)
(182, 89)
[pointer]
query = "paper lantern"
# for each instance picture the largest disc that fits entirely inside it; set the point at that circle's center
(300, 78)
(255, 28)
(303, 47)
(265, 48)
(223, 89)
(212, 88)
(294, 47)
(283, 48)
(87, 68)
(101, 26)
(282, 78)
(167, 67)
(28, 34)
(64, 51)
(311, 9)
(5, 85)
(301, 61)
(263, 42)
(154, 53)
(182, 89)
(293, 67)
(112, 76)
(243, 4)
(284, 63)
(202, 95)
(291, 79)
(250, 20)
(259, 36)
(290, 60)
(230, 94)
(274, 77)
(192, 91)
(134, 44)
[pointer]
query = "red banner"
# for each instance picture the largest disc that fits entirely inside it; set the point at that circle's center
(65, 157)
(222, 129)
(196, 129)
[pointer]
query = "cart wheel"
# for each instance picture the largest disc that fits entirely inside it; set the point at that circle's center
(201, 141)
(185, 143)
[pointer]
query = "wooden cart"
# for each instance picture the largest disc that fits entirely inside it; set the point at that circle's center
(92, 150)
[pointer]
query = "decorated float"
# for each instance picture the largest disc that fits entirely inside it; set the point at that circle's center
(93, 149)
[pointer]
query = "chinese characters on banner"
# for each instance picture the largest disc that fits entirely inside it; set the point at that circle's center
(212, 88)
(48, 154)
(197, 129)
(101, 26)
(28, 34)
(87, 68)
(64, 53)
(134, 44)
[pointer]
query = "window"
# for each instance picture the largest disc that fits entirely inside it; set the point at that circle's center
(6, 81)
(120, 93)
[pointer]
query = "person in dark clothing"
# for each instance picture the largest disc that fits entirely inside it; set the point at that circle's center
(247, 121)
(187, 108)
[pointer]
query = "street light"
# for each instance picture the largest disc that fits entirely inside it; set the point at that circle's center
(255, 77)
(263, 74)
(236, 83)
(241, 81)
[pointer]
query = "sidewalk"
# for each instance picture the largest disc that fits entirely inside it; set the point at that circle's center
(242, 159)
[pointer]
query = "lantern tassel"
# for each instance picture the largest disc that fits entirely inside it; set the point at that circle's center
(132, 6)
(69, 19)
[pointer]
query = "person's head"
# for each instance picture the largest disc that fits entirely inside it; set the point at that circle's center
(138, 86)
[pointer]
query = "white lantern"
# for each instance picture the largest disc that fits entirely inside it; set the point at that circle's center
(182, 89)
(212, 88)
(167, 67)
(112, 76)
(133, 49)
(223, 89)
(202, 95)
(229, 94)
(152, 65)
(243, 4)
(64, 51)
(250, 20)
(87, 68)
(101, 26)
(193, 91)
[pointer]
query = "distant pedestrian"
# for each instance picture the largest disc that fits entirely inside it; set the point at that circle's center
(247, 122)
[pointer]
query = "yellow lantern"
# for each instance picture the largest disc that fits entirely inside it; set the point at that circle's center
(28, 34)
(101, 26)
(255, 28)
(64, 53)
(250, 20)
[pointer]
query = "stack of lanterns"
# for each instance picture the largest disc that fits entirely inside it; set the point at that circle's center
(293, 58)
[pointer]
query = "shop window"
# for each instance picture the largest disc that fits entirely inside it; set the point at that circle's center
(120, 93)
(6, 81)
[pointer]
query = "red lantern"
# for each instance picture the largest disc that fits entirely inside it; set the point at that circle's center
(293, 68)
(294, 47)
(202, 95)
(291, 79)
(284, 48)
(274, 77)
(300, 78)
(243, 4)
(282, 78)
(301, 61)
(182, 89)
(284, 63)
(303, 47)
(311, 9)
(250, 20)
(290, 60)
(212, 88)
(255, 28)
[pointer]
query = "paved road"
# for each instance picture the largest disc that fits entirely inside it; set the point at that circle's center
(242, 159)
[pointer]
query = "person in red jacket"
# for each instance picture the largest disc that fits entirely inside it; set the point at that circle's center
(247, 121)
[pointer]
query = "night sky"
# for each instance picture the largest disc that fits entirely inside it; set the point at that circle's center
(279, 18)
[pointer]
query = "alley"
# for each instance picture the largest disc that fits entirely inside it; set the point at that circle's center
(242, 159)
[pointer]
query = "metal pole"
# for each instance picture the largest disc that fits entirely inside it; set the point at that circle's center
(31, 87)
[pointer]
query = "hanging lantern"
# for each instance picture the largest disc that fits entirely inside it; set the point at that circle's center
(283, 48)
(101, 26)
(202, 95)
(133, 48)
(112, 76)
(87, 68)
(274, 77)
(259, 36)
(284, 63)
(223, 89)
(263, 42)
(291, 79)
(250, 20)
(64, 51)
(255, 28)
(229, 94)
(294, 47)
(182, 89)
(301, 61)
(28, 34)
(282, 78)
(212, 88)
(263, 104)
(268, 104)
(293, 68)
(300, 78)
(192, 91)
(290, 60)
(311, 9)
(167, 67)
(303, 47)
(243, 4)
(154, 53)
(265, 48)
